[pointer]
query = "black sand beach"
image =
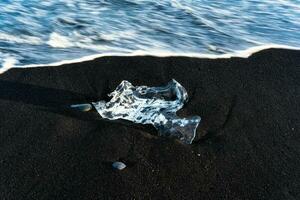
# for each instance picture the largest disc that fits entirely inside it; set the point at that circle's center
(247, 145)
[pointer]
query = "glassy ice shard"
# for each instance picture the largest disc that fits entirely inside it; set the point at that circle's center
(151, 105)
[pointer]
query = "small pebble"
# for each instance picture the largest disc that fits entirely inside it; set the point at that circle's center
(118, 165)
(82, 107)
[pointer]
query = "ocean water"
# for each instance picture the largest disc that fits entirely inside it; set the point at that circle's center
(41, 32)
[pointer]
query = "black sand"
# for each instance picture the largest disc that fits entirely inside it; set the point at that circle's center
(247, 146)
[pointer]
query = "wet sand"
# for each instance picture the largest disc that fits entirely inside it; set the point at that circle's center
(247, 144)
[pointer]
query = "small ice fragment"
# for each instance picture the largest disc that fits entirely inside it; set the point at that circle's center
(82, 107)
(151, 105)
(118, 165)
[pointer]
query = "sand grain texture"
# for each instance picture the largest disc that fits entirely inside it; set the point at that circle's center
(247, 144)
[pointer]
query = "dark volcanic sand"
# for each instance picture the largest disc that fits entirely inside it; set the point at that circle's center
(247, 145)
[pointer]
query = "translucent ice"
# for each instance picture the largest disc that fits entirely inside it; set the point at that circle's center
(151, 105)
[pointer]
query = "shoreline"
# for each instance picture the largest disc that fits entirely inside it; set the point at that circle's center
(238, 54)
(247, 143)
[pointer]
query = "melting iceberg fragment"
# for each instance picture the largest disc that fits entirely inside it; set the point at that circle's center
(151, 105)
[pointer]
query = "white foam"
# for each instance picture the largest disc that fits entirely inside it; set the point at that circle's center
(21, 39)
(78, 40)
(59, 41)
(8, 63)
(240, 54)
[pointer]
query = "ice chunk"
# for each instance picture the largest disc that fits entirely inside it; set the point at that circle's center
(151, 105)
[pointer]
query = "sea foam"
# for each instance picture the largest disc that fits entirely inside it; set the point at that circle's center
(241, 54)
(59, 41)
(20, 39)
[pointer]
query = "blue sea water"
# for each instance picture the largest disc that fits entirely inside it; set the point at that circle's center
(41, 32)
